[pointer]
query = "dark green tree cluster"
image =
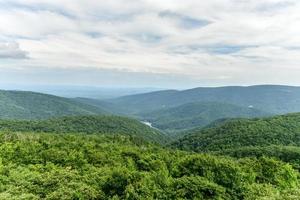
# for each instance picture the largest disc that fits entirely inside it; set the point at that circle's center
(290, 154)
(78, 166)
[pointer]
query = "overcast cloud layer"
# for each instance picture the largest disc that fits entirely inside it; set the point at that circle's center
(165, 43)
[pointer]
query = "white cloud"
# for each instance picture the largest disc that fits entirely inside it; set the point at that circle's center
(11, 50)
(240, 38)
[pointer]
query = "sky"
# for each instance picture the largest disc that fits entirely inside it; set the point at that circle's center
(149, 43)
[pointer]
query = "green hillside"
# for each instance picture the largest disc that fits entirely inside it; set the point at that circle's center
(30, 105)
(87, 125)
(74, 166)
(279, 130)
(269, 98)
(105, 105)
(134, 104)
(198, 114)
(277, 137)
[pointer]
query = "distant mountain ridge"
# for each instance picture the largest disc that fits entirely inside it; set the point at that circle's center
(275, 99)
(83, 91)
(168, 110)
(32, 105)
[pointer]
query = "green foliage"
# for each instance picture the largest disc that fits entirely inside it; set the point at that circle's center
(279, 130)
(30, 105)
(290, 154)
(275, 137)
(87, 125)
(80, 166)
(196, 187)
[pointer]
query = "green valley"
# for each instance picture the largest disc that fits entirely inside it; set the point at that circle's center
(198, 114)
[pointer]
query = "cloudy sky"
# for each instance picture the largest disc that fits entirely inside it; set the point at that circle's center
(156, 43)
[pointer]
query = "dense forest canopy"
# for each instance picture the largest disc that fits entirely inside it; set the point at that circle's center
(78, 166)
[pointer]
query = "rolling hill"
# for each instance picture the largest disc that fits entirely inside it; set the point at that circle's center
(275, 99)
(87, 125)
(198, 114)
(31, 105)
(279, 130)
(277, 137)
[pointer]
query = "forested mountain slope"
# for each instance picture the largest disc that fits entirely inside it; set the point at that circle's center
(198, 114)
(269, 98)
(74, 166)
(105, 105)
(277, 137)
(88, 125)
(278, 130)
(31, 105)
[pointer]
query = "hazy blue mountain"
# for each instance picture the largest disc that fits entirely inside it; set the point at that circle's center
(198, 114)
(105, 105)
(144, 102)
(31, 105)
(269, 98)
(70, 91)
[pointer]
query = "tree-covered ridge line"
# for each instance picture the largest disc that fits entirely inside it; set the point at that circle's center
(91, 124)
(170, 111)
(277, 99)
(250, 137)
(32, 105)
(80, 166)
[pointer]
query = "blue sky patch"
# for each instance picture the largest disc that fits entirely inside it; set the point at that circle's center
(185, 21)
